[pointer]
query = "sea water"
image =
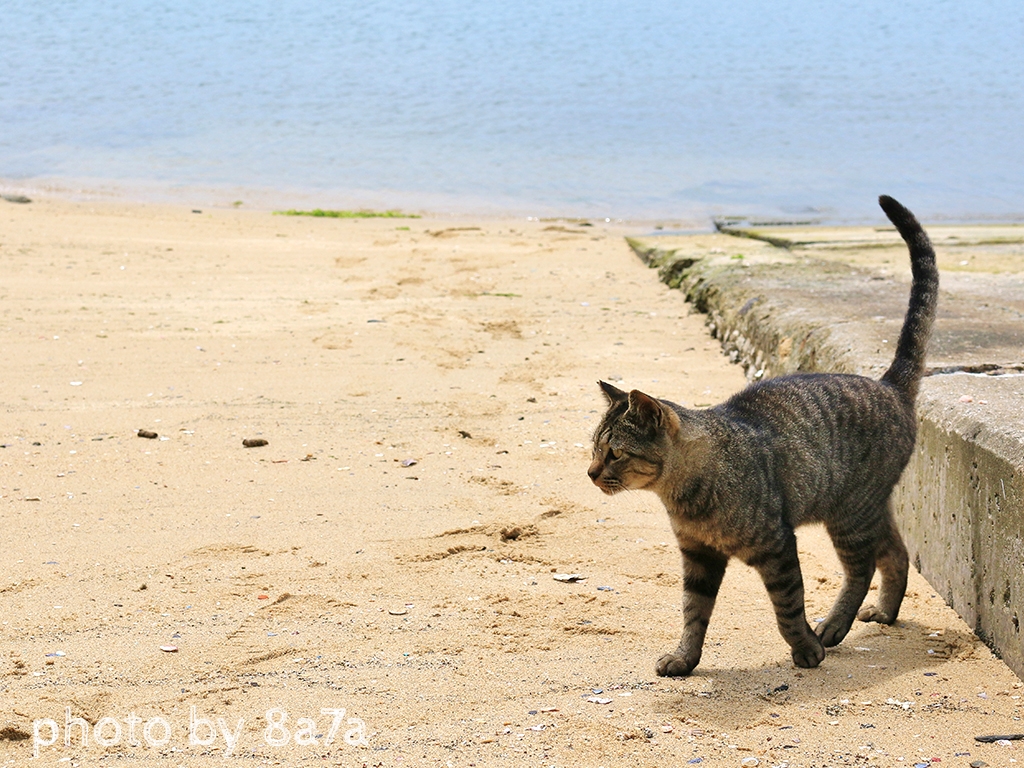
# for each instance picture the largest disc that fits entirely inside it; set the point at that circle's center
(627, 109)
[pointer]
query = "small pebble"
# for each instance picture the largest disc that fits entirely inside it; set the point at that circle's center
(749, 761)
(148, 435)
(254, 442)
(966, 399)
(409, 462)
(169, 648)
(598, 700)
(397, 611)
(568, 577)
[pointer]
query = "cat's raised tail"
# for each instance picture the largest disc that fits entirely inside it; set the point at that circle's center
(908, 365)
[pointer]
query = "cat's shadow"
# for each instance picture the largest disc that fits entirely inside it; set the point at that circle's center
(886, 666)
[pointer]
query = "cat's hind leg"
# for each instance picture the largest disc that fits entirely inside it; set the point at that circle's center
(858, 567)
(703, 570)
(779, 568)
(865, 538)
(893, 564)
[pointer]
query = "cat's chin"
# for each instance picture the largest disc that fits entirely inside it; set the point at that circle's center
(609, 490)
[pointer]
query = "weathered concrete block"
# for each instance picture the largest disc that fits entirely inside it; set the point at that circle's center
(961, 504)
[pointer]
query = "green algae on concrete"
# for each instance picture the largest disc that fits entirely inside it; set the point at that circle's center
(872, 237)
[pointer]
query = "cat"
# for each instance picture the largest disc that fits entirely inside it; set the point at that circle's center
(738, 478)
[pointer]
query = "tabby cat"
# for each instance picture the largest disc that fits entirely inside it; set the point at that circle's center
(736, 479)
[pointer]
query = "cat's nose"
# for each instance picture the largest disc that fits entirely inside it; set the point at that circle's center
(595, 470)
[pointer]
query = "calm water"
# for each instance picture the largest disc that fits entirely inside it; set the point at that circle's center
(608, 107)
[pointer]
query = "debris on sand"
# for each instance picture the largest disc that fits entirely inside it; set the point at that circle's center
(568, 577)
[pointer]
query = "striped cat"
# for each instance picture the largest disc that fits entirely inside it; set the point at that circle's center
(736, 479)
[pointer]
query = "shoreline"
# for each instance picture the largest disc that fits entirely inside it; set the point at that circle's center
(690, 218)
(227, 196)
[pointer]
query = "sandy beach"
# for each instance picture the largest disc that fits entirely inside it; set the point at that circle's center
(376, 584)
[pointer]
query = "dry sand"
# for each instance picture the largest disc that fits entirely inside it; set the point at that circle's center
(427, 390)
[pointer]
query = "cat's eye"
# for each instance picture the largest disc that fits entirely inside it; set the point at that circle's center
(616, 453)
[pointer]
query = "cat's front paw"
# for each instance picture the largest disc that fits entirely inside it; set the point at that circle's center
(810, 654)
(675, 665)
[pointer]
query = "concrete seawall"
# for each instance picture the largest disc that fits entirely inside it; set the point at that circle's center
(788, 300)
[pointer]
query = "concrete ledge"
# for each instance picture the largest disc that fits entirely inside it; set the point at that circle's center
(835, 302)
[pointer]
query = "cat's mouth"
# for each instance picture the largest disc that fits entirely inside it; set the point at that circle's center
(610, 487)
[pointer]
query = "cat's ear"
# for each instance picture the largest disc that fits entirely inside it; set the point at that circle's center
(647, 409)
(652, 412)
(614, 394)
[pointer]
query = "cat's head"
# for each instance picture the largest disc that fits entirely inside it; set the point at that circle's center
(632, 442)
